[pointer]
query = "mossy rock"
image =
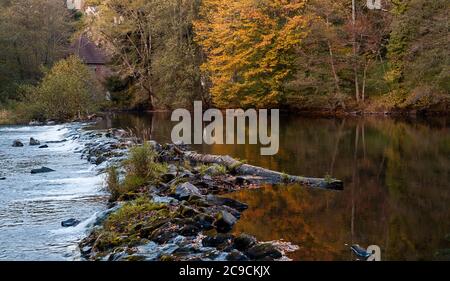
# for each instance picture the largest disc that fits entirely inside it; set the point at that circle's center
(264, 251)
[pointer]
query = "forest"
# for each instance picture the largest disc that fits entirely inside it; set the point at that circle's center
(298, 55)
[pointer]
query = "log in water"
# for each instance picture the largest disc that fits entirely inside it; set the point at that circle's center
(261, 174)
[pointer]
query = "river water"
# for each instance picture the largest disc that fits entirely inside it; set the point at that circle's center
(396, 174)
(32, 207)
(397, 185)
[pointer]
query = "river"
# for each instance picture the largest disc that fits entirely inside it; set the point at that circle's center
(396, 174)
(397, 184)
(32, 206)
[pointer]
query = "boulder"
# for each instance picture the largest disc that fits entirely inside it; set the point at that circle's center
(224, 221)
(236, 255)
(244, 242)
(221, 241)
(216, 200)
(70, 222)
(42, 170)
(35, 123)
(189, 230)
(2, 178)
(204, 221)
(43, 146)
(185, 190)
(168, 177)
(34, 141)
(17, 143)
(263, 251)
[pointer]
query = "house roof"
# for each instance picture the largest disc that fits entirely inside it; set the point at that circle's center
(88, 52)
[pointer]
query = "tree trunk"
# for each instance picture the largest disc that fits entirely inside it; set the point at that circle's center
(355, 64)
(259, 174)
(333, 68)
(364, 80)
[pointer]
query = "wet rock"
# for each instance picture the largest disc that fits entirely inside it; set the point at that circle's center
(17, 143)
(51, 123)
(85, 251)
(244, 242)
(188, 212)
(42, 170)
(59, 141)
(35, 123)
(164, 233)
(264, 251)
(163, 199)
(224, 221)
(214, 170)
(168, 177)
(34, 142)
(236, 255)
(70, 222)
(147, 230)
(216, 200)
(189, 230)
(43, 146)
(2, 178)
(219, 241)
(119, 133)
(97, 160)
(184, 190)
(204, 221)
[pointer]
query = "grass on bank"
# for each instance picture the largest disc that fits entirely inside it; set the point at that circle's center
(142, 170)
(130, 224)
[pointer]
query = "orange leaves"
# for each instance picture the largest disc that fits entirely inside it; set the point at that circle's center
(249, 46)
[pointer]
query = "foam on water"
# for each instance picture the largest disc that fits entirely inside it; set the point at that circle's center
(32, 206)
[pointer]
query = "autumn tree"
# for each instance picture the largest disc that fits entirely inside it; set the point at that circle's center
(33, 34)
(68, 90)
(152, 46)
(250, 47)
(418, 54)
(322, 61)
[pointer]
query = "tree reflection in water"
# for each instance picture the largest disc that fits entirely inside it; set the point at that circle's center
(396, 174)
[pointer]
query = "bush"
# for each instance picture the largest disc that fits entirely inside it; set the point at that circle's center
(113, 184)
(142, 169)
(142, 163)
(69, 90)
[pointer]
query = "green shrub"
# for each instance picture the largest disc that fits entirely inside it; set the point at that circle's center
(142, 169)
(113, 184)
(142, 163)
(69, 90)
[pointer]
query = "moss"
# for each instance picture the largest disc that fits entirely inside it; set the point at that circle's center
(212, 170)
(236, 166)
(166, 258)
(202, 169)
(328, 178)
(124, 227)
(285, 178)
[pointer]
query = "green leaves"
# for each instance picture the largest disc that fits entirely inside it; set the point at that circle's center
(69, 90)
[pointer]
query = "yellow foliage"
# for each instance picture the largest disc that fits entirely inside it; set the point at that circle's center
(250, 48)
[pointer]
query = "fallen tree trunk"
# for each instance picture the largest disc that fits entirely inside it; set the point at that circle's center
(259, 173)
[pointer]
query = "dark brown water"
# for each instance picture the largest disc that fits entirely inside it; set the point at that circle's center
(396, 175)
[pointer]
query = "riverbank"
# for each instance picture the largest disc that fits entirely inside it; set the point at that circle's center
(173, 207)
(9, 117)
(361, 151)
